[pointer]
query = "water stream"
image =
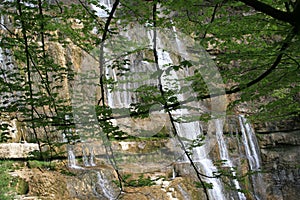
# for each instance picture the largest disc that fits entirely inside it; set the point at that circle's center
(122, 95)
(224, 155)
(253, 156)
(72, 163)
(191, 132)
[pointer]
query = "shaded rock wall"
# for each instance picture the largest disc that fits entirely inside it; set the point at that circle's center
(280, 153)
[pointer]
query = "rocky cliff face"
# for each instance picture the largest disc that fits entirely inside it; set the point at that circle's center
(279, 150)
(281, 163)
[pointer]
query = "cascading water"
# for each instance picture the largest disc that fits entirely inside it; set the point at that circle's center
(191, 131)
(72, 159)
(250, 144)
(99, 8)
(253, 155)
(88, 156)
(122, 95)
(223, 150)
(105, 187)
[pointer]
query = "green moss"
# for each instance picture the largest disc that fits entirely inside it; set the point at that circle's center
(22, 187)
(7, 183)
(140, 182)
(67, 172)
(40, 164)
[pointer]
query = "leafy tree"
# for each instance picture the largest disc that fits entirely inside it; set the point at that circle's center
(255, 45)
(255, 48)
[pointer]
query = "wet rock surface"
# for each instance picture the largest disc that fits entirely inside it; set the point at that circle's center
(280, 152)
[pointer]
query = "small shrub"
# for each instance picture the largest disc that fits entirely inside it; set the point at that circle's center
(68, 173)
(140, 182)
(7, 184)
(22, 187)
(41, 164)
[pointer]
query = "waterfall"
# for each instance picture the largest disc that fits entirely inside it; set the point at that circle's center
(103, 8)
(250, 144)
(72, 159)
(105, 187)
(223, 150)
(88, 156)
(7, 68)
(121, 97)
(191, 131)
(253, 156)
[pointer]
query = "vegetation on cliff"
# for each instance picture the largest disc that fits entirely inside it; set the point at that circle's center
(254, 45)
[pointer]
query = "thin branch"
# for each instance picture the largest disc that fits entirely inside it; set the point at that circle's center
(89, 12)
(293, 59)
(101, 56)
(212, 19)
(267, 72)
(198, 174)
(108, 148)
(24, 35)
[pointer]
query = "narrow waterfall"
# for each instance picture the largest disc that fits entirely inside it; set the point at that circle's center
(250, 144)
(105, 186)
(88, 156)
(99, 8)
(253, 155)
(7, 68)
(189, 132)
(72, 159)
(223, 150)
(192, 131)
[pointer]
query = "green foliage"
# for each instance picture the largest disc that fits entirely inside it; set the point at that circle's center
(245, 44)
(206, 185)
(7, 183)
(41, 164)
(4, 134)
(38, 45)
(22, 187)
(140, 182)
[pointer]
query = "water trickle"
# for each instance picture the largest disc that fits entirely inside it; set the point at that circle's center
(105, 186)
(2, 22)
(7, 70)
(184, 193)
(103, 8)
(88, 156)
(253, 155)
(250, 144)
(224, 155)
(72, 159)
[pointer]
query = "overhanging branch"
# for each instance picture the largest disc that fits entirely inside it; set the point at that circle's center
(269, 10)
(270, 70)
